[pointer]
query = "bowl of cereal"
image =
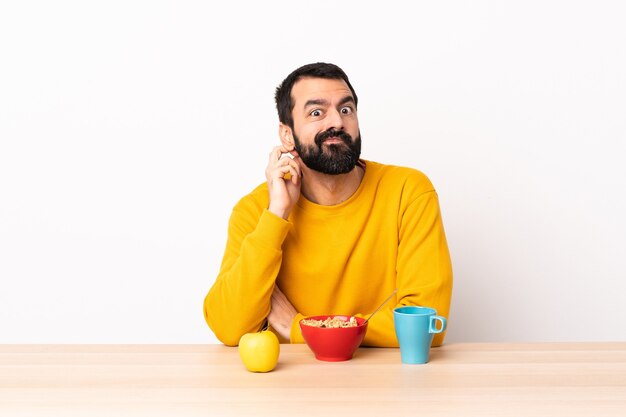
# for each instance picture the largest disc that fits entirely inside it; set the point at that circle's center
(333, 338)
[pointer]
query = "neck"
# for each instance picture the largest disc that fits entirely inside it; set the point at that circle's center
(330, 190)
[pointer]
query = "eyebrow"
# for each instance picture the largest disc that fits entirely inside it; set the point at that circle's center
(322, 102)
(346, 99)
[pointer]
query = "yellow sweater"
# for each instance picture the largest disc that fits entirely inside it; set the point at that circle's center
(342, 259)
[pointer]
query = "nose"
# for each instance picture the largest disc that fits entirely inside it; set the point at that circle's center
(333, 120)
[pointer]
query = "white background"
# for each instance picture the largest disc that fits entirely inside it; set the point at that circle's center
(129, 129)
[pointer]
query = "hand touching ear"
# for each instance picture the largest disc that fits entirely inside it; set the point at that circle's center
(283, 193)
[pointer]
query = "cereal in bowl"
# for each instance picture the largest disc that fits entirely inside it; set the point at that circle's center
(331, 323)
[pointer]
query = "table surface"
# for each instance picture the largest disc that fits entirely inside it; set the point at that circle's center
(546, 379)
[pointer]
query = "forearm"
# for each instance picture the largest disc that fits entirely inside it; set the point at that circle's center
(381, 329)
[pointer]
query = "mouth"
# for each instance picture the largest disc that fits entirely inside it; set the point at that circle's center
(333, 139)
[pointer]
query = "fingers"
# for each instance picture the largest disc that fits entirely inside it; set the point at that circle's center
(294, 169)
(278, 151)
(275, 154)
(276, 291)
(279, 300)
(283, 192)
(280, 171)
(278, 168)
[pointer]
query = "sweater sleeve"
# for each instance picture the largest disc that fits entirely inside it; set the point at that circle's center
(424, 270)
(240, 299)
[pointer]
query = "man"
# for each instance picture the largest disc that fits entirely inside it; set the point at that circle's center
(328, 233)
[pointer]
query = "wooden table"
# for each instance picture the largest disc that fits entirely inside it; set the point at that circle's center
(573, 379)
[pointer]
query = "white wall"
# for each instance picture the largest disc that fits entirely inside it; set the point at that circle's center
(129, 129)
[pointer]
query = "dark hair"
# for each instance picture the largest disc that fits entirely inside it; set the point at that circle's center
(317, 70)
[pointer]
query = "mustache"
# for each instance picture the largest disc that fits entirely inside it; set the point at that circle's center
(322, 136)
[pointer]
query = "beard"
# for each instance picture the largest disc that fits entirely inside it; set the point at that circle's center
(337, 158)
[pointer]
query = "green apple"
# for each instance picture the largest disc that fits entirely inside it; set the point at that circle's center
(259, 351)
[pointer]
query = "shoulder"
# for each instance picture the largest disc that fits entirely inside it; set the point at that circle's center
(410, 182)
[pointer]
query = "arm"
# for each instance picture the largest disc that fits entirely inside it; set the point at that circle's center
(239, 300)
(424, 270)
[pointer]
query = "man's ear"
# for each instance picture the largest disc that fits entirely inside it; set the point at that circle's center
(286, 136)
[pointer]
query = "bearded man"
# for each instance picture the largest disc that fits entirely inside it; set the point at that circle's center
(328, 233)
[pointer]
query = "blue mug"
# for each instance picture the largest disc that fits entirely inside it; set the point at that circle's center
(415, 328)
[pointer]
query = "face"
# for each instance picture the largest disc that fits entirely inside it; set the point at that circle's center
(326, 129)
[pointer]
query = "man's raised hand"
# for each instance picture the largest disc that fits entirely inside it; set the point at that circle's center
(283, 193)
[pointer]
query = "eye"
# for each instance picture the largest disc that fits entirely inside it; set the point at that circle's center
(315, 113)
(346, 110)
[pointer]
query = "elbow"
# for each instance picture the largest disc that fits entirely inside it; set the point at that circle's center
(227, 335)
(228, 339)
(224, 331)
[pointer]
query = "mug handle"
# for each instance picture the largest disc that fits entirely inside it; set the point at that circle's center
(433, 325)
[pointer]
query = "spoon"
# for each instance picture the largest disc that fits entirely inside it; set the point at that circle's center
(384, 302)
